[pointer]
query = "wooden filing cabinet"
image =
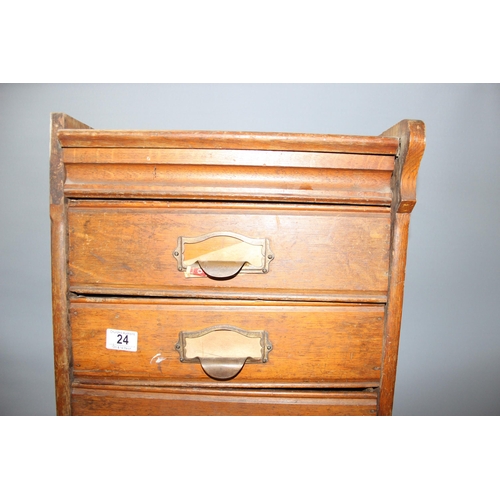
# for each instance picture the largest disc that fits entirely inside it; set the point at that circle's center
(228, 273)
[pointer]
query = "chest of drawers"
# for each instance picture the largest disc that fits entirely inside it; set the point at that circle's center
(228, 273)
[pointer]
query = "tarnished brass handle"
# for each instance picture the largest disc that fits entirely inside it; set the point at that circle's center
(223, 350)
(220, 269)
(223, 255)
(222, 368)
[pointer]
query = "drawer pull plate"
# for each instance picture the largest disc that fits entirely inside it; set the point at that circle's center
(223, 255)
(223, 350)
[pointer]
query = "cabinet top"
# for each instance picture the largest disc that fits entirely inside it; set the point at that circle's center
(382, 170)
(91, 138)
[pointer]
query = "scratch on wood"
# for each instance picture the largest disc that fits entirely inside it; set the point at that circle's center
(157, 358)
(98, 257)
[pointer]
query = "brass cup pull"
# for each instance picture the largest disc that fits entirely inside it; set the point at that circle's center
(223, 350)
(221, 269)
(222, 368)
(223, 255)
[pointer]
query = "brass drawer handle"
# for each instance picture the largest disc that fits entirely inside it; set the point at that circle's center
(223, 255)
(223, 350)
(220, 269)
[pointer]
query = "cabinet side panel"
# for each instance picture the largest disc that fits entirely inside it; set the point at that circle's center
(59, 247)
(393, 312)
(411, 135)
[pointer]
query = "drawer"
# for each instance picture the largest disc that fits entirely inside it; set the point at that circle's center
(305, 344)
(315, 252)
(95, 400)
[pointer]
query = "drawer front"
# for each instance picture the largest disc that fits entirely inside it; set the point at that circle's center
(318, 253)
(312, 344)
(180, 402)
(139, 401)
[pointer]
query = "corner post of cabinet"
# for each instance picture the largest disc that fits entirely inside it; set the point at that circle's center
(59, 252)
(411, 135)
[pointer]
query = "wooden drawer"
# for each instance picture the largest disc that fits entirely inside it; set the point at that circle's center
(332, 345)
(96, 400)
(319, 252)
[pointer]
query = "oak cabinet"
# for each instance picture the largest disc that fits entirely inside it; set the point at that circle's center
(228, 273)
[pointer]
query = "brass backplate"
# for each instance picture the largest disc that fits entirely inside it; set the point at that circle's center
(224, 341)
(223, 249)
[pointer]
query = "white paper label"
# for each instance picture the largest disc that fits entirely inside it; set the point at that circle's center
(121, 340)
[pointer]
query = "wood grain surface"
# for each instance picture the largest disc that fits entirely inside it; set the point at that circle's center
(335, 210)
(411, 151)
(412, 134)
(59, 258)
(177, 402)
(311, 342)
(224, 157)
(319, 251)
(216, 182)
(228, 175)
(228, 140)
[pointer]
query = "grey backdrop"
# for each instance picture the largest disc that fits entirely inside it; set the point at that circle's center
(450, 339)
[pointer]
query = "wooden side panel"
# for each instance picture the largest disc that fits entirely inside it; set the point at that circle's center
(394, 311)
(319, 253)
(316, 343)
(411, 135)
(95, 401)
(59, 244)
(412, 145)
